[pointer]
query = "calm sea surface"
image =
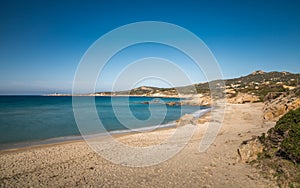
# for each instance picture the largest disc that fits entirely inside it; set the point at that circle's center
(33, 118)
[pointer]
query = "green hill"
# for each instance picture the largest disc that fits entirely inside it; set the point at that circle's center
(258, 83)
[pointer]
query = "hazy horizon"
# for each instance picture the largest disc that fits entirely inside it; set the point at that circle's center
(146, 85)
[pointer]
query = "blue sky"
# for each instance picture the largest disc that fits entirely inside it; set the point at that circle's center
(42, 42)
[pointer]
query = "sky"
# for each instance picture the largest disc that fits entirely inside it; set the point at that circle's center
(42, 42)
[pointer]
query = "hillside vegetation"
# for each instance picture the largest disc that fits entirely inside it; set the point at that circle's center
(281, 154)
(258, 83)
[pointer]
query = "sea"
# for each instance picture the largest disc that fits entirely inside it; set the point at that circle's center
(34, 120)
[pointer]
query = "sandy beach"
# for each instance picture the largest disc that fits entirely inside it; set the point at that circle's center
(74, 163)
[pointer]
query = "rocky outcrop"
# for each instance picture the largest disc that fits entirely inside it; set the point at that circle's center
(173, 103)
(186, 119)
(198, 101)
(258, 72)
(190, 119)
(272, 95)
(276, 108)
(151, 102)
(202, 120)
(249, 150)
(280, 156)
(242, 98)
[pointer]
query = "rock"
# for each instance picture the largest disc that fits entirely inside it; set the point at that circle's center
(275, 108)
(258, 72)
(151, 102)
(186, 119)
(242, 98)
(268, 115)
(249, 150)
(172, 103)
(198, 101)
(202, 121)
(289, 87)
(272, 95)
(190, 119)
(280, 110)
(295, 104)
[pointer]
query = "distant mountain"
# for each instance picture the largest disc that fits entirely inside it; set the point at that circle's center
(144, 91)
(258, 83)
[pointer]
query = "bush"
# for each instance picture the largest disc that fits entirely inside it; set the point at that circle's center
(287, 133)
(281, 155)
(290, 146)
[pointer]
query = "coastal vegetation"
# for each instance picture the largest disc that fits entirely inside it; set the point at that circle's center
(259, 84)
(281, 150)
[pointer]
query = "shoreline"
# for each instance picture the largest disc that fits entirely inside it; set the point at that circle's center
(74, 141)
(75, 138)
(117, 95)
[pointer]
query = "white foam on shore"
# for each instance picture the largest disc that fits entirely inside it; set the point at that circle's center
(201, 112)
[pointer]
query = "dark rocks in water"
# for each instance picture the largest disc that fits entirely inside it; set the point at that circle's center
(152, 102)
(172, 103)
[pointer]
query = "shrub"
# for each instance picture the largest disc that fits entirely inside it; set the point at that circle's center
(281, 155)
(286, 136)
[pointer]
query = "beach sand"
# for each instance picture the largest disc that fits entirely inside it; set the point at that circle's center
(76, 164)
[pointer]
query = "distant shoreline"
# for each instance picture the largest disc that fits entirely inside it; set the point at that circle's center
(116, 95)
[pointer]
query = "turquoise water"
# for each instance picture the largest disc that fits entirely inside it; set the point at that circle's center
(32, 118)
